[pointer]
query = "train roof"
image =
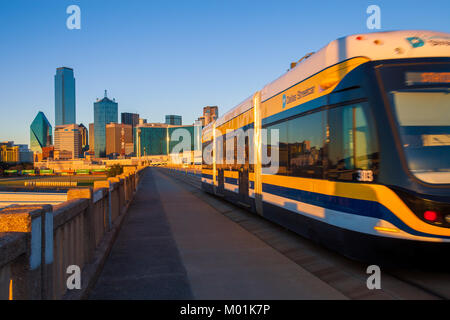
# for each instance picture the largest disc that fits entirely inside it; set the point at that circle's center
(375, 46)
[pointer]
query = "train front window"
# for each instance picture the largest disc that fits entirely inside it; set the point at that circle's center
(423, 117)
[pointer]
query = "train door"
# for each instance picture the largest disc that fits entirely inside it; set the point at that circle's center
(243, 178)
(243, 184)
(220, 182)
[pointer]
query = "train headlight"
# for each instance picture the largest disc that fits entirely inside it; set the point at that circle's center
(447, 218)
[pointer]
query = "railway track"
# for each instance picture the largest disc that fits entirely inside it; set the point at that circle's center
(344, 274)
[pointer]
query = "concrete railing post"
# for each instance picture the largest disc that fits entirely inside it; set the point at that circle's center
(88, 219)
(133, 182)
(122, 201)
(106, 185)
(31, 272)
(116, 200)
(129, 190)
(126, 198)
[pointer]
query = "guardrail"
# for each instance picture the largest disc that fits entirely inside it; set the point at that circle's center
(51, 183)
(39, 242)
(8, 198)
(190, 175)
(186, 171)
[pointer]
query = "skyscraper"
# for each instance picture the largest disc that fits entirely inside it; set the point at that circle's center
(64, 96)
(68, 139)
(84, 137)
(210, 113)
(131, 119)
(40, 133)
(105, 111)
(118, 138)
(173, 120)
(91, 137)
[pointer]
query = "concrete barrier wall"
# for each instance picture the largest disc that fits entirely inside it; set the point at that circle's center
(34, 198)
(39, 242)
(13, 251)
(190, 175)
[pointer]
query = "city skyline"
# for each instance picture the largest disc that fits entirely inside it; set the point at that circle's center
(225, 152)
(171, 58)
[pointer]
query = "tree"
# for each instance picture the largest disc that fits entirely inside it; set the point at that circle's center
(115, 170)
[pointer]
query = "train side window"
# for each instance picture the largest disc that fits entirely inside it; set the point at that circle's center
(306, 145)
(282, 149)
(205, 164)
(219, 152)
(301, 146)
(351, 143)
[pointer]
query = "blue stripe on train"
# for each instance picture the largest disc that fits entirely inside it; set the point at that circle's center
(231, 180)
(354, 206)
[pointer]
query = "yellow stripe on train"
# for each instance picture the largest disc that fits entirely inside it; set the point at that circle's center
(312, 88)
(238, 122)
(360, 191)
(230, 174)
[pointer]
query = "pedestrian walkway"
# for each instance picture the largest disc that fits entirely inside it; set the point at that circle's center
(174, 245)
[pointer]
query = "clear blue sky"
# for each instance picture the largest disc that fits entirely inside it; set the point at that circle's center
(171, 57)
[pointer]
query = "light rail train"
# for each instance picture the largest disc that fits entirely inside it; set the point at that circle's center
(364, 146)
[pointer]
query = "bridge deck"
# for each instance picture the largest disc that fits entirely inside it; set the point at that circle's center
(174, 245)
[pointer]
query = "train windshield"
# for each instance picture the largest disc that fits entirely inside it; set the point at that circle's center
(423, 117)
(419, 96)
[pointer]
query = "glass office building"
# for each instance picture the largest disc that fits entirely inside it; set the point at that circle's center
(40, 133)
(189, 132)
(105, 111)
(173, 120)
(156, 139)
(150, 141)
(64, 97)
(130, 118)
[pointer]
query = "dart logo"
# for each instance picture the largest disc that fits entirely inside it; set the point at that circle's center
(415, 42)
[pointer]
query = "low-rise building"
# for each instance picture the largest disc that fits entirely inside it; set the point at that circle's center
(9, 153)
(14, 153)
(63, 155)
(160, 139)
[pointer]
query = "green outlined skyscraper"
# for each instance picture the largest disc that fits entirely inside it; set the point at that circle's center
(40, 133)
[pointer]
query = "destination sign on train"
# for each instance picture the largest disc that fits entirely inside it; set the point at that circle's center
(427, 77)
